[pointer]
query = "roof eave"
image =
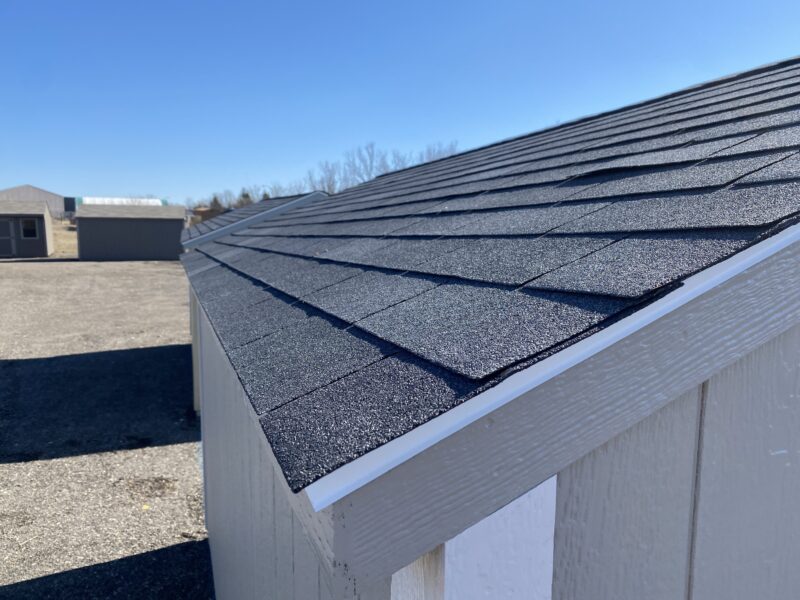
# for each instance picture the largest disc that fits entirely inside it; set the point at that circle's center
(354, 475)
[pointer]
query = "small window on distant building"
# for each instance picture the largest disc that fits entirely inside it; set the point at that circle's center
(29, 229)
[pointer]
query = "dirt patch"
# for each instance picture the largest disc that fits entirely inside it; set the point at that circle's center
(65, 240)
(147, 488)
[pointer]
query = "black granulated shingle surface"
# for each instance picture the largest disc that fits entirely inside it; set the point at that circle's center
(771, 140)
(785, 169)
(638, 265)
(353, 299)
(275, 370)
(731, 207)
(237, 325)
(512, 261)
(534, 220)
(358, 413)
(394, 253)
(457, 326)
(352, 319)
(706, 175)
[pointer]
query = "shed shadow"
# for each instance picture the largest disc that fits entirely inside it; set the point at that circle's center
(96, 402)
(179, 571)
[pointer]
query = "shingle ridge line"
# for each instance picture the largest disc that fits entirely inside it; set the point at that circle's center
(365, 198)
(598, 145)
(616, 124)
(698, 87)
(512, 236)
(670, 122)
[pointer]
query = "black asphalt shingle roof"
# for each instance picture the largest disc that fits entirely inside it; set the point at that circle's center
(236, 215)
(354, 318)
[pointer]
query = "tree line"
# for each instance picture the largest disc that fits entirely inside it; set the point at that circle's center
(356, 166)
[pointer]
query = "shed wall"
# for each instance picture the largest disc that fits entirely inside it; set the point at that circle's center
(38, 247)
(259, 548)
(129, 239)
(698, 500)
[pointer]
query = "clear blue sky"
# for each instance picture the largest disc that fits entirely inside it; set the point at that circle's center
(181, 99)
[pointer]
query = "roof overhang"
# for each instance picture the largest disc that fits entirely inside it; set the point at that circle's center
(385, 509)
(350, 477)
(251, 220)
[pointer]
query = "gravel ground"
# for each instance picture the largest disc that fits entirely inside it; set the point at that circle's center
(100, 486)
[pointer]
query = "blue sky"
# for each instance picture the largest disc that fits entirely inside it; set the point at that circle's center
(181, 99)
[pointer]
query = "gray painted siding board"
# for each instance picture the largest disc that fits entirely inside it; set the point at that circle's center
(129, 239)
(747, 541)
(624, 511)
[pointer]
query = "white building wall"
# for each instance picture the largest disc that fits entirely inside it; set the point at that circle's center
(507, 555)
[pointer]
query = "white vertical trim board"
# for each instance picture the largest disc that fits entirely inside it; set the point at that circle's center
(354, 475)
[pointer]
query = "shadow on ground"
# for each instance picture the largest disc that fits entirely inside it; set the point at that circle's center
(48, 259)
(96, 402)
(179, 571)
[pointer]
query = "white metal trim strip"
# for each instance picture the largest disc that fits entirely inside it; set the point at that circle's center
(348, 478)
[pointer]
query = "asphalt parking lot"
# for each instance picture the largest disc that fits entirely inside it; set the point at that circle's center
(100, 485)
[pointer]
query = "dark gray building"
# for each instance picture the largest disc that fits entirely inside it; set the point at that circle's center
(30, 193)
(25, 228)
(113, 232)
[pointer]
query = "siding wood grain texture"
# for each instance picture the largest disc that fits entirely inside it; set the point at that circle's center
(624, 512)
(698, 501)
(747, 539)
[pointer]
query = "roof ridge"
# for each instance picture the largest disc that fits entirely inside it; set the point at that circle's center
(586, 118)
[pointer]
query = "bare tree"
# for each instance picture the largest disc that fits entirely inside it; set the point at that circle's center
(437, 151)
(400, 160)
(358, 166)
(364, 163)
(327, 177)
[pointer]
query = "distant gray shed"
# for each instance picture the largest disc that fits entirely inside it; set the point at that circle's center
(26, 230)
(112, 232)
(30, 193)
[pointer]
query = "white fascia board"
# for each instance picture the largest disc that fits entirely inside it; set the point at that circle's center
(354, 475)
(252, 219)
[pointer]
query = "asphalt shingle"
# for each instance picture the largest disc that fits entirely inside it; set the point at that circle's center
(512, 261)
(277, 369)
(635, 266)
(475, 331)
(361, 296)
(732, 207)
(340, 422)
